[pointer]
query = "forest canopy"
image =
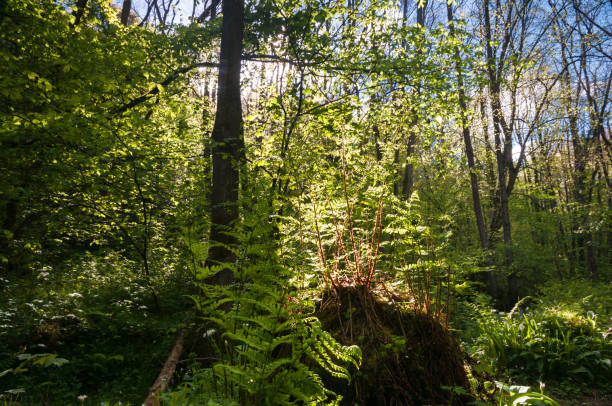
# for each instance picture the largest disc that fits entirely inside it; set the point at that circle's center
(232, 202)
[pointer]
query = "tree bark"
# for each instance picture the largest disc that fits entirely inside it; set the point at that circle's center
(227, 143)
(125, 11)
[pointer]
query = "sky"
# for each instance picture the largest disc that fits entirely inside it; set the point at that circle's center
(183, 8)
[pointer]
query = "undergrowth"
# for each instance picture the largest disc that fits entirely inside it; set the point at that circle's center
(89, 334)
(266, 343)
(568, 350)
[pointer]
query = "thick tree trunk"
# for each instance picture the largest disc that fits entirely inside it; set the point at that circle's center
(227, 143)
(125, 11)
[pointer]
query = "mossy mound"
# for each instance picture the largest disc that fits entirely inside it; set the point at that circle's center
(408, 357)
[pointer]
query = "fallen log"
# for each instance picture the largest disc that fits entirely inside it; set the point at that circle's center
(166, 373)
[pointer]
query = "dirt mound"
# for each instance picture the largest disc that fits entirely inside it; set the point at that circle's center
(408, 357)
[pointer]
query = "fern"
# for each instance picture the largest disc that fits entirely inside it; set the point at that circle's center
(266, 339)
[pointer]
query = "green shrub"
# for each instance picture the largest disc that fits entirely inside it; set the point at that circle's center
(580, 296)
(546, 344)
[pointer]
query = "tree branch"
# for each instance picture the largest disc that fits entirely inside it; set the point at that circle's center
(171, 78)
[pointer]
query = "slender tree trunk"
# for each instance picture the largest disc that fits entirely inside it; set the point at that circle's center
(583, 236)
(227, 142)
(572, 251)
(607, 246)
(597, 132)
(467, 139)
(376, 134)
(489, 167)
(408, 177)
(396, 163)
(506, 174)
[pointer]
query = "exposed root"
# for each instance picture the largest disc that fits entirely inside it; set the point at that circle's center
(408, 357)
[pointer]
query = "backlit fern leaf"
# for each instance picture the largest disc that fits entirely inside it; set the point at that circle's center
(266, 338)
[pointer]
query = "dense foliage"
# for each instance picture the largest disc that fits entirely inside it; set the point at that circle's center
(222, 170)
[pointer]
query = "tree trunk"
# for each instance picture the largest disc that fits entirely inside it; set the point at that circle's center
(506, 173)
(376, 133)
(396, 164)
(467, 139)
(408, 177)
(125, 11)
(227, 143)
